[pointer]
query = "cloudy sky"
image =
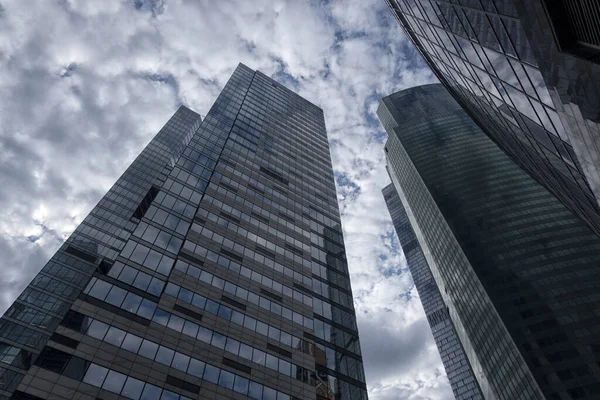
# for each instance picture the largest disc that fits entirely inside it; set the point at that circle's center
(84, 85)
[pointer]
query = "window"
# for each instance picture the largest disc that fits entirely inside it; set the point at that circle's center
(114, 382)
(95, 375)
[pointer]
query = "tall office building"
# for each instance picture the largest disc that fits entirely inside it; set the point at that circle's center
(213, 269)
(528, 72)
(517, 271)
(458, 369)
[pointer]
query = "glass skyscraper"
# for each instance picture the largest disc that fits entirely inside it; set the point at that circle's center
(528, 73)
(516, 270)
(214, 268)
(458, 369)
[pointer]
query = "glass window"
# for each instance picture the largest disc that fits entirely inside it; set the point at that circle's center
(115, 336)
(161, 317)
(142, 281)
(224, 312)
(97, 329)
(218, 340)
(165, 265)
(258, 356)
(131, 343)
(133, 388)
(176, 323)
(180, 362)
(286, 338)
(212, 307)
(147, 309)
(237, 317)
(204, 335)
(245, 351)
(116, 296)
(114, 382)
(131, 303)
(241, 385)
(166, 395)
(226, 379)
(190, 328)
(284, 367)
(196, 368)
(164, 355)
(148, 349)
(272, 362)
(152, 260)
(211, 374)
(269, 394)
(255, 390)
(95, 375)
(151, 392)
(156, 287)
(128, 275)
(199, 301)
(232, 346)
(100, 289)
(262, 328)
(250, 323)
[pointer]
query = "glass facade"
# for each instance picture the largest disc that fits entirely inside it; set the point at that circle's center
(515, 267)
(540, 104)
(214, 268)
(457, 366)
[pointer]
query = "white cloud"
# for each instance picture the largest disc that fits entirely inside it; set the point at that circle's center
(85, 85)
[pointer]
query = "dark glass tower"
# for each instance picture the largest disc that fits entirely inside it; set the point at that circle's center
(458, 369)
(516, 269)
(213, 268)
(538, 99)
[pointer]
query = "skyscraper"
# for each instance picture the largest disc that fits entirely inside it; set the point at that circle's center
(458, 369)
(516, 269)
(528, 74)
(213, 268)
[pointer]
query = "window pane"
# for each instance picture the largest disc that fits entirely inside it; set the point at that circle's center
(148, 349)
(166, 395)
(95, 375)
(232, 346)
(114, 382)
(204, 334)
(131, 303)
(180, 362)
(218, 340)
(255, 390)
(131, 343)
(156, 287)
(147, 309)
(176, 323)
(115, 336)
(133, 388)
(211, 374)
(258, 357)
(272, 362)
(196, 368)
(269, 394)
(164, 355)
(97, 329)
(241, 385)
(190, 328)
(226, 379)
(245, 351)
(151, 392)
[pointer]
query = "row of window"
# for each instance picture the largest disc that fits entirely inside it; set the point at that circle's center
(137, 278)
(262, 302)
(204, 253)
(184, 363)
(263, 224)
(149, 258)
(253, 275)
(121, 298)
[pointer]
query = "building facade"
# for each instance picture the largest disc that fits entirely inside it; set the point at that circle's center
(516, 269)
(528, 72)
(457, 366)
(213, 268)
